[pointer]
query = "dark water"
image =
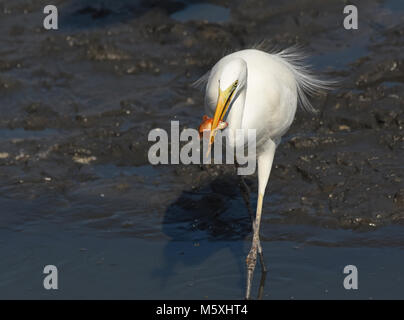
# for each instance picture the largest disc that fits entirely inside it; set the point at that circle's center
(124, 268)
(77, 191)
(202, 11)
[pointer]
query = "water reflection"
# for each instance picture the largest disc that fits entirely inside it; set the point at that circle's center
(203, 222)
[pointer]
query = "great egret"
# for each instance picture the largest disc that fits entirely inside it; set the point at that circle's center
(259, 90)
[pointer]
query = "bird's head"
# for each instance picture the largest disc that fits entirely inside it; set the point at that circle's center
(232, 79)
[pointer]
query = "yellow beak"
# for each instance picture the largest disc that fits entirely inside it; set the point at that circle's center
(222, 105)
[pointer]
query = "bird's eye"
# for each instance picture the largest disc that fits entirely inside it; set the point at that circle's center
(235, 83)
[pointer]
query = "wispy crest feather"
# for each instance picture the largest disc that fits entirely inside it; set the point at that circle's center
(202, 81)
(293, 58)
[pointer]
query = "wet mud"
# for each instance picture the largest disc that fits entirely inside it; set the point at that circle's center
(77, 105)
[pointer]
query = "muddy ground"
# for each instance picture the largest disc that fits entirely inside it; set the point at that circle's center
(78, 103)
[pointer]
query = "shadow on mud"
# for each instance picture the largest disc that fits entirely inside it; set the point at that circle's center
(210, 215)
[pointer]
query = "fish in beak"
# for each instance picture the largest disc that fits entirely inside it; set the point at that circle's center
(222, 106)
(207, 125)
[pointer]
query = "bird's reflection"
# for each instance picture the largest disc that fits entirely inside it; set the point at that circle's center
(215, 214)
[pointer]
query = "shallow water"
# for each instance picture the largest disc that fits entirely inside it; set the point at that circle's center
(130, 268)
(202, 11)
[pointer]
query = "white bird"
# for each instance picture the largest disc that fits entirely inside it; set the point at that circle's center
(259, 90)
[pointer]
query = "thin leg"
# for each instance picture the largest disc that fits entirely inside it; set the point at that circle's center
(245, 191)
(265, 161)
(252, 255)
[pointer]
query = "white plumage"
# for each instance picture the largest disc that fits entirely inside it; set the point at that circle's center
(259, 90)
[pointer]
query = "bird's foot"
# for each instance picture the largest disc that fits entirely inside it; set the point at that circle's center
(251, 262)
